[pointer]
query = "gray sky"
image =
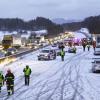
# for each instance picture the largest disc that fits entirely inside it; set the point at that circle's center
(68, 9)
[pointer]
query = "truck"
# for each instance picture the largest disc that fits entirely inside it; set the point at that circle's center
(7, 41)
(11, 41)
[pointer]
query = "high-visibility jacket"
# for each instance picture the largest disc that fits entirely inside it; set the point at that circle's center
(27, 72)
(74, 49)
(62, 53)
(88, 46)
(1, 79)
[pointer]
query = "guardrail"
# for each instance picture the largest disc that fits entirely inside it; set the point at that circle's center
(11, 58)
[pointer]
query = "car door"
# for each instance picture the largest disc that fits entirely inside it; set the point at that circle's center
(51, 54)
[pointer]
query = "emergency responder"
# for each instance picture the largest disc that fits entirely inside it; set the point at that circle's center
(27, 71)
(62, 54)
(94, 45)
(84, 45)
(61, 46)
(1, 80)
(88, 46)
(9, 78)
(74, 49)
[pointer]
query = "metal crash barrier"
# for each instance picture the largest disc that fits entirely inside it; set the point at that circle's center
(12, 58)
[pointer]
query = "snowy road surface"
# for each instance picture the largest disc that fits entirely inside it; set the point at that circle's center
(55, 80)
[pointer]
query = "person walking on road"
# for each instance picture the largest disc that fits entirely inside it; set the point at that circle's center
(62, 54)
(27, 72)
(1, 80)
(94, 45)
(88, 46)
(9, 78)
(74, 49)
(84, 46)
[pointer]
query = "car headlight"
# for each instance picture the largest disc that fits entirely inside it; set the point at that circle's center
(12, 52)
(35, 47)
(5, 52)
(46, 55)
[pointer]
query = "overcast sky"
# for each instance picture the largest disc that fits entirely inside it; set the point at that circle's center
(68, 9)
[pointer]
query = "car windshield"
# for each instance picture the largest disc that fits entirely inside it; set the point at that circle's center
(11, 49)
(45, 51)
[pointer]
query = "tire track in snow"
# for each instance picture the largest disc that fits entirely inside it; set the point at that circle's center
(58, 71)
(76, 92)
(61, 98)
(63, 75)
(52, 75)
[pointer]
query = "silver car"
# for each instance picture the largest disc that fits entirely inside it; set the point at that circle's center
(47, 54)
(96, 66)
(97, 50)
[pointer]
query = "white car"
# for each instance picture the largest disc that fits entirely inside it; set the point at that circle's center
(57, 50)
(96, 66)
(97, 50)
(47, 54)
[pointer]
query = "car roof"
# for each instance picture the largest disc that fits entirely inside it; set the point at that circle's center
(98, 46)
(96, 59)
(47, 49)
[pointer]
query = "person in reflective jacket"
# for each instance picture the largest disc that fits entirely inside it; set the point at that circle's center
(27, 72)
(9, 78)
(62, 54)
(88, 46)
(1, 80)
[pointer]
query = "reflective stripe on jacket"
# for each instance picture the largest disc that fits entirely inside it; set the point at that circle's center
(62, 53)
(27, 71)
(1, 78)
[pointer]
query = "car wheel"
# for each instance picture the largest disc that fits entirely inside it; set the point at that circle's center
(54, 57)
(39, 59)
(49, 58)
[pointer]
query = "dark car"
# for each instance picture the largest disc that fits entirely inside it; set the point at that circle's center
(71, 50)
(11, 51)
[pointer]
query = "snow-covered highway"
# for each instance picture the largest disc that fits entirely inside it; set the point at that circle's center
(55, 80)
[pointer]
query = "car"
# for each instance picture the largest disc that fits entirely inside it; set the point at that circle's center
(33, 46)
(54, 45)
(11, 51)
(57, 50)
(97, 50)
(72, 50)
(2, 54)
(96, 66)
(47, 54)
